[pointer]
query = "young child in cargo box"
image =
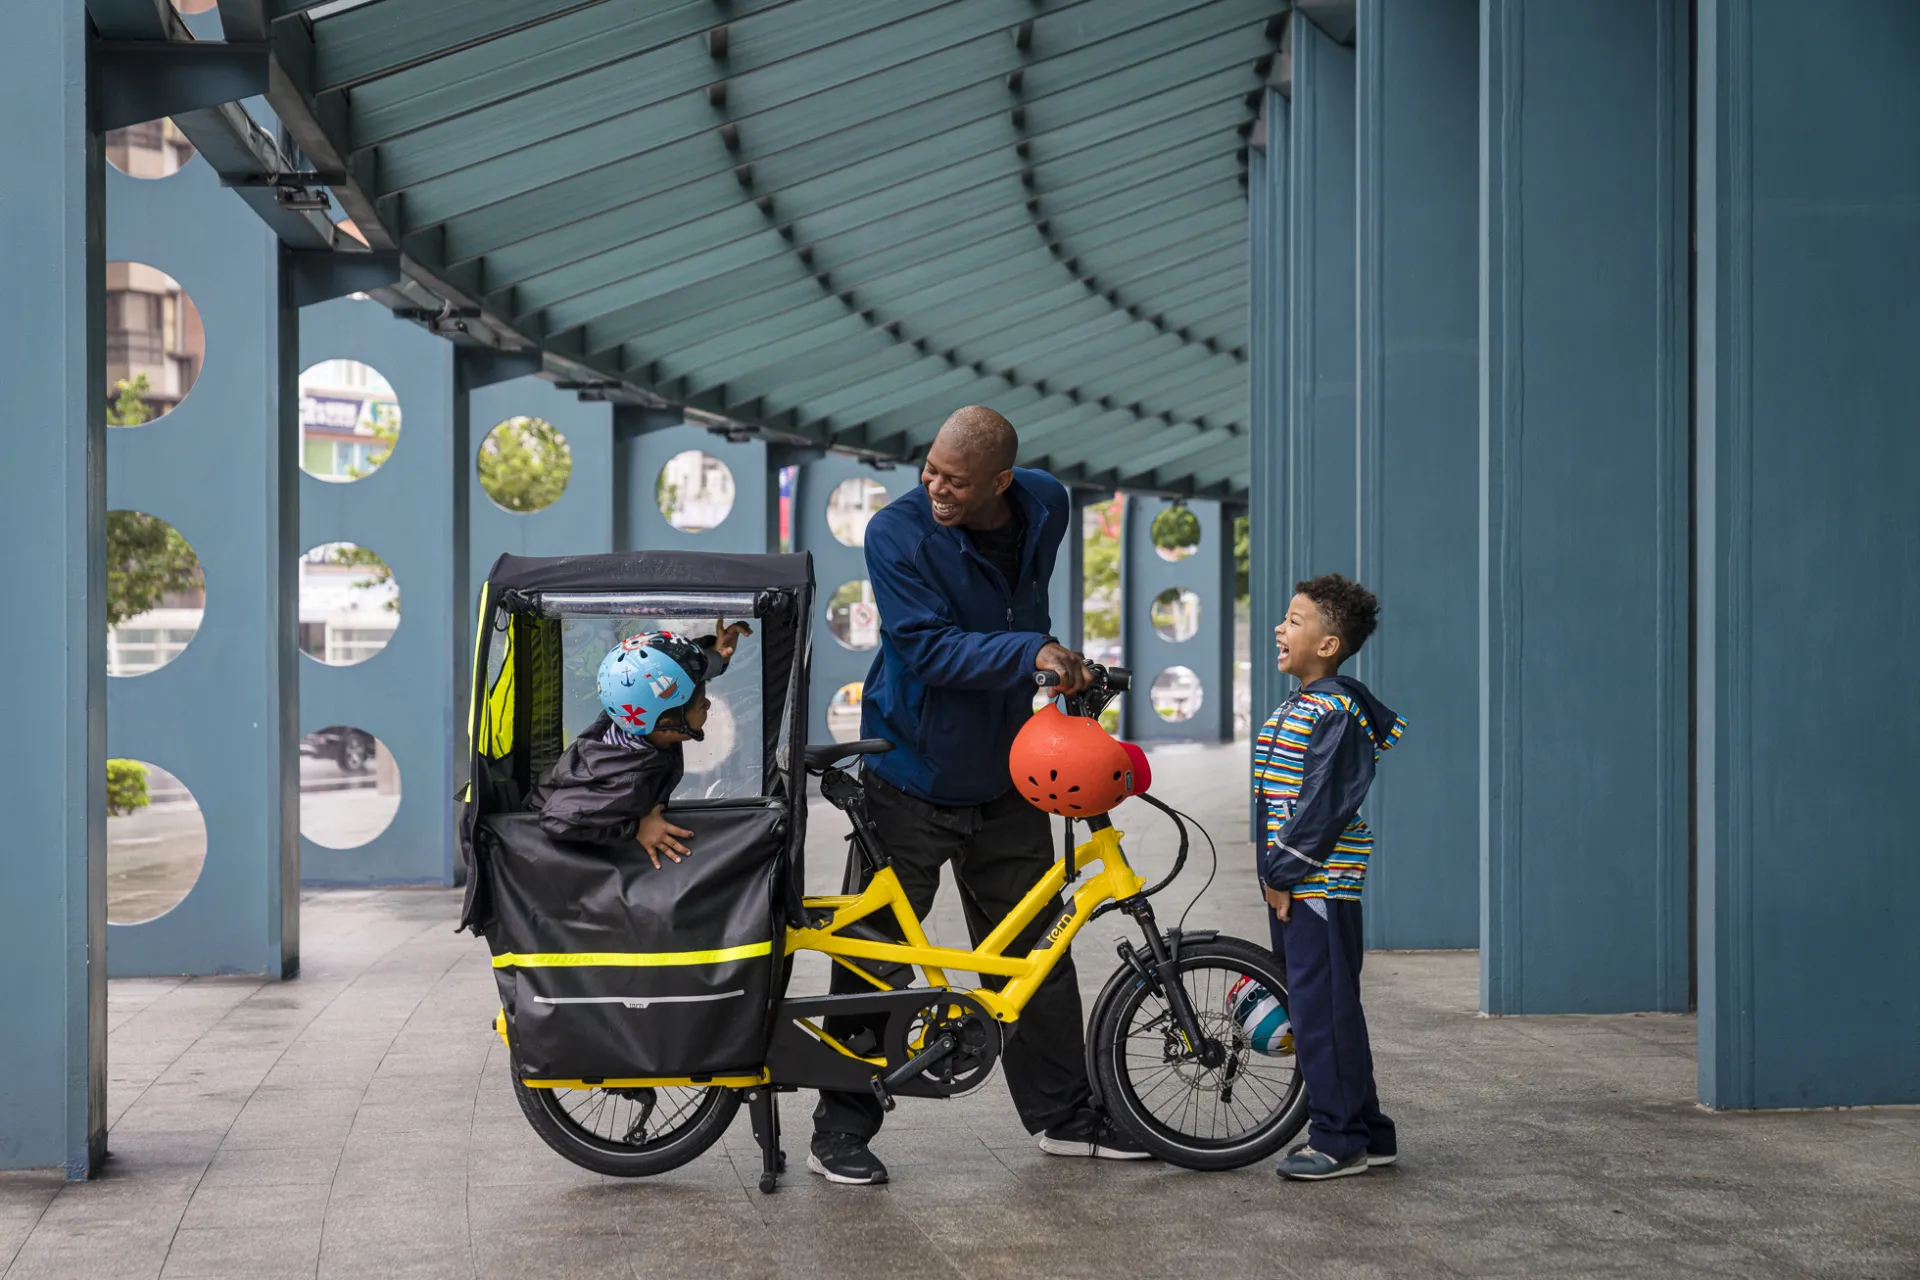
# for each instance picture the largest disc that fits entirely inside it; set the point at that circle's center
(613, 783)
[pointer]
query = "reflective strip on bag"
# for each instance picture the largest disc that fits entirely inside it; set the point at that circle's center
(629, 959)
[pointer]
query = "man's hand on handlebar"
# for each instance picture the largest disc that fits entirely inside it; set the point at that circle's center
(1068, 666)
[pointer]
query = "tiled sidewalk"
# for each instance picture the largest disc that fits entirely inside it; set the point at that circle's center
(359, 1123)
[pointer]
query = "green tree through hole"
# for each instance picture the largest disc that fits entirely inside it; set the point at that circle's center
(525, 464)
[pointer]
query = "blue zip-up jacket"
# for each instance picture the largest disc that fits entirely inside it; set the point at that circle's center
(953, 681)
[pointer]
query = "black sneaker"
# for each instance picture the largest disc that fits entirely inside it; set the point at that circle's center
(1092, 1133)
(841, 1157)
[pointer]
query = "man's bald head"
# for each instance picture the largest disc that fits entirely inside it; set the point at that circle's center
(969, 467)
(982, 435)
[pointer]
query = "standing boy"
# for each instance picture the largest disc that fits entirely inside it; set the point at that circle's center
(1313, 763)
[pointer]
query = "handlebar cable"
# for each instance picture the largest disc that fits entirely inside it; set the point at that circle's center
(1179, 860)
(1214, 871)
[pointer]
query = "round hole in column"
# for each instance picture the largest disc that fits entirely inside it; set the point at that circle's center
(349, 420)
(156, 841)
(524, 465)
(155, 344)
(349, 603)
(852, 615)
(1176, 533)
(156, 594)
(1176, 694)
(153, 149)
(851, 504)
(349, 786)
(843, 712)
(695, 491)
(1176, 615)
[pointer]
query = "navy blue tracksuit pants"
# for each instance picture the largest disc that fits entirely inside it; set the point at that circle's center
(1329, 1029)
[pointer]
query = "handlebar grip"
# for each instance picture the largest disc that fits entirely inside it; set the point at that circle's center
(1119, 679)
(1046, 679)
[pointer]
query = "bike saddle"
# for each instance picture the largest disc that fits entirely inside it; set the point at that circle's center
(824, 755)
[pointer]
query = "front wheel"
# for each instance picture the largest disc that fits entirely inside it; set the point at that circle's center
(1219, 1105)
(629, 1133)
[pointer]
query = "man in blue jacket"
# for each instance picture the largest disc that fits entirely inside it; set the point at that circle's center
(959, 569)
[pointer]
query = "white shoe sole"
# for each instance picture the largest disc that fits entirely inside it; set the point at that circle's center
(813, 1163)
(1057, 1147)
(1381, 1162)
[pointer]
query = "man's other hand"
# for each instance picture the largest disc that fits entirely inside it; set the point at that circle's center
(1071, 667)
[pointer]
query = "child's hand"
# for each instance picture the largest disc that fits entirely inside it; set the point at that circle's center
(1281, 901)
(656, 836)
(727, 638)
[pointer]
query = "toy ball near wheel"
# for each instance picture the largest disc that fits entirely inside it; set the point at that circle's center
(1261, 1016)
(1070, 766)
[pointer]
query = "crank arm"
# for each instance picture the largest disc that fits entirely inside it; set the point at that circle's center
(883, 1086)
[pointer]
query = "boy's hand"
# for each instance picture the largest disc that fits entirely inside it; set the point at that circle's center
(727, 638)
(657, 836)
(1281, 901)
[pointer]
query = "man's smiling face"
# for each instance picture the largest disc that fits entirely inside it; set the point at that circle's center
(963, 486)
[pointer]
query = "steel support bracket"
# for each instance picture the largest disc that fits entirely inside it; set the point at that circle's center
(320, 276)
(143, 80)
(485, 366)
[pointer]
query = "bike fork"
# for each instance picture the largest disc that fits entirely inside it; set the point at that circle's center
(1164, 968)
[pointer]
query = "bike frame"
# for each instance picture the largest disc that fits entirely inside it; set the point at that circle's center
(1116, 881)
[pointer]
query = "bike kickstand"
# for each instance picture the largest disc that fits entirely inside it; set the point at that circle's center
(763, 1109)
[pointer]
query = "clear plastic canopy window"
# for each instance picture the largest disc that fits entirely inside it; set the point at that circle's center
(728, 765)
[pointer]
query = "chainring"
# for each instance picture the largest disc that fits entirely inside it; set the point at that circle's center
(964, 1070)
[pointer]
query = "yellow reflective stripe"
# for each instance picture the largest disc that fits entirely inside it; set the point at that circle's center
(479, 632)
(628, 959)
(497, 739)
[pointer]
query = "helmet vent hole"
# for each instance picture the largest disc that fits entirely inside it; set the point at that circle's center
(1053, 775)
(1071, 790)
(1116, 776)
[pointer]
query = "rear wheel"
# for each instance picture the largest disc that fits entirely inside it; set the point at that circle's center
(1242, 1108)
(629, 1133)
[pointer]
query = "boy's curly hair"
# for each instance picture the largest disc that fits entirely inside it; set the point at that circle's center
(1351, 611)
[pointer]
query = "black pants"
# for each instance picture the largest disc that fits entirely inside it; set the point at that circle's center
(999, 851)
(1330, 1029)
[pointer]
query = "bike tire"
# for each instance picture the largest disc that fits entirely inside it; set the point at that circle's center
(1122, 1078)
(546, 1111)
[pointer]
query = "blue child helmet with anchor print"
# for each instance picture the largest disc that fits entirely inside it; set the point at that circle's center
(646, 679)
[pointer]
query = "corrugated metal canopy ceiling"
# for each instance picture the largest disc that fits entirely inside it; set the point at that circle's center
(836, 219)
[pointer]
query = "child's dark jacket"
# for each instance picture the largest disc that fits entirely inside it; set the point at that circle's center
(1313, 763)
(603, 784)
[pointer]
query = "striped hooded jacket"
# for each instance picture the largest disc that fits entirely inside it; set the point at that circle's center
(1313, 763)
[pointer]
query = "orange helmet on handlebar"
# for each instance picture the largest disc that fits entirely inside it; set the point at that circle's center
(1070, 766)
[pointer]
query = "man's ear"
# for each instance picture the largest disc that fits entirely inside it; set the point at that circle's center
(1002, 481)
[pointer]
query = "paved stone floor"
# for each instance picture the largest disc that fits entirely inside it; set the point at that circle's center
(358, 1122)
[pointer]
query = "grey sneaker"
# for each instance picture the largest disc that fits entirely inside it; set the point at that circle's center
(1304, 1164)
(1380, 1159)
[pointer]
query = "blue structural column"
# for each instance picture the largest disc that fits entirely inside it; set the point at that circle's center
(1269, 586)
(1419, 473)
(1583, 529)
(1207, 654)
(221, 469)
(412, 513)
(1808, 462)
(751, 526)
(1067, 592)
(581, 520)
(1318, 497)
(53, 912)
(834, 565)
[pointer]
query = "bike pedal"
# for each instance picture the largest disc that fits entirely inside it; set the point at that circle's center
(884, 1094)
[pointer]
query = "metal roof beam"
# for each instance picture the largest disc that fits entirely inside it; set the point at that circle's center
(381, 39)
